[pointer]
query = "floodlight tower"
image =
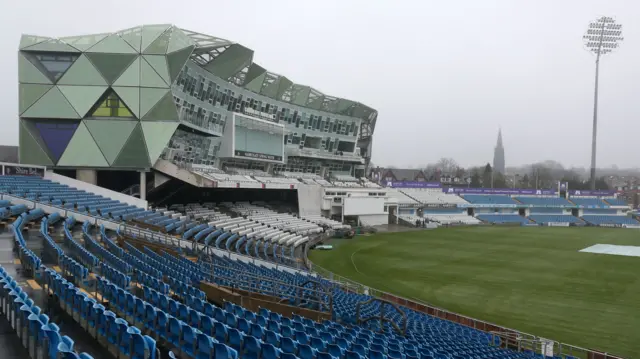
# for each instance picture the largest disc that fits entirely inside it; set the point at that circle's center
(601, 38)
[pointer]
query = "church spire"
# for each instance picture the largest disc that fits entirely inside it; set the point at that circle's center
(498, 155)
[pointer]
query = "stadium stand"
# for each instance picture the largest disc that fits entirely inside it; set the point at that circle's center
(599, 220)
(368, 184)
(554, 218)
(615, 202)
(546, 210)
(458, 218)
(586, 201)
(192, 327)
(411, 219)
(174, 311)
(344, 180)
(502, 218)
(229, 180)
(488, 199)
(433, 196)
(543, 201)
(449, 216)
(599, 211)
(278, 220)
(403, 199)
(325, 222)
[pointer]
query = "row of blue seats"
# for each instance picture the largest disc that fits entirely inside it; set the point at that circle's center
(610, 220)
(488, 199)
(127, 343)
(34, 329)
(161, 268)
(183, 338)
(586, 201)
(615, 201)
(122, 340)
(77, 250)
(543, 201)
(554, 218)
(502, 218)
(36, 332)
(102, 253)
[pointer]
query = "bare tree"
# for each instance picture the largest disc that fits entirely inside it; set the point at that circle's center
(447, 165)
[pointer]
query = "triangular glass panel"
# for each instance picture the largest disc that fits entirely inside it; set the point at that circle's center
(110, 105)
(29, 73)
(30, 150)
(159, 63)
(82, 98)
(52, 45)
(176, 61)
(82, 151)
(30, 40)
(149, 97)
(157, 135)
(254, 71)
(149, 77)
(164, 110)
(150, 33)
(52, 64)
(82, 72)
(255, 85)
(30, 93)
(179, 40)
(132, 36)
(52, 105)
(130, 76)
(111, 66)
(112, 44)
(134, 152)
(159, 45)
(110, 135)
(84, 42)
(56, 135)
(130, 96)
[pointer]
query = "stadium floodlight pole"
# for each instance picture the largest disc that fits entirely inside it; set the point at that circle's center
(602, 37)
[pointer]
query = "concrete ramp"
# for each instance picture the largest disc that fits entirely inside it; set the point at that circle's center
(169, 169)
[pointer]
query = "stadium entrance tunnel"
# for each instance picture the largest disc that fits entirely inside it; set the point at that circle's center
(175, 191)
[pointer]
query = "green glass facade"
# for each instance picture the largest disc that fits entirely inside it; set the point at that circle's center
(112, 100)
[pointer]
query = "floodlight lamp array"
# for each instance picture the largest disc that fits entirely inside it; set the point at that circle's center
(603, 36)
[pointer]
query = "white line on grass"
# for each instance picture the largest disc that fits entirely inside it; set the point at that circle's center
(353, 263)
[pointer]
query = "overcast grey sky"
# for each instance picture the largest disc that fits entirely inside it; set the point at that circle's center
(443, 75)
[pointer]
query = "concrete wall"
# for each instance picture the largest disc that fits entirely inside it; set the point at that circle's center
(374, 219)
(95, 189)
(87, 176)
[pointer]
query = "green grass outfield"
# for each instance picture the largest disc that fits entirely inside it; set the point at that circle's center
(530, 279)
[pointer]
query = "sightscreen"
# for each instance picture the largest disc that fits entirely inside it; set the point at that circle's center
(258, 139)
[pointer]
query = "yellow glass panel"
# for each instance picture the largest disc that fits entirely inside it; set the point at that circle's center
(102, 112)
(124, 112)
(112, 106)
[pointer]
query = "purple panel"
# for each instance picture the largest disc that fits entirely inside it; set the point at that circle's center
(413, 184)
(56, 136)
(591, 193)
(510, 191)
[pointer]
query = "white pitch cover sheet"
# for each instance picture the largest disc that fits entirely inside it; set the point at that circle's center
(629, 251)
